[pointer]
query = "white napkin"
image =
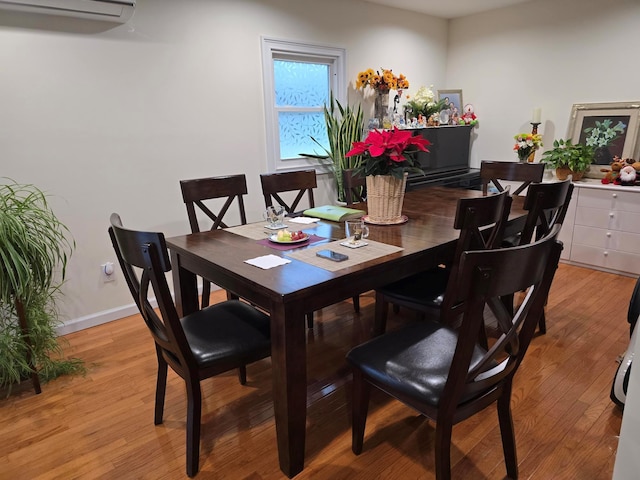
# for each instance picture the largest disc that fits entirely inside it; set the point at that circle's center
(267, 261)
(305, 220)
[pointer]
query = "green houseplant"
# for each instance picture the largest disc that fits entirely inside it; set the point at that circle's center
(34, 249)
(345, 125)
(569, 158)
(424, 103)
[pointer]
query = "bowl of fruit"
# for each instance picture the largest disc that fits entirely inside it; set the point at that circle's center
(285, 236)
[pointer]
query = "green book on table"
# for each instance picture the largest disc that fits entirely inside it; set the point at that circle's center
(334, 213)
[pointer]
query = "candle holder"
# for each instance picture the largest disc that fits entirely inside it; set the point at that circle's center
(534, 127)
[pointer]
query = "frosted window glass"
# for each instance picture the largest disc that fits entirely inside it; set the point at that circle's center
(295, 131)
(300, 84)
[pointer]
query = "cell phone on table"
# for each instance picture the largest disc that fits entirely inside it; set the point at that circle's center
(331, 255)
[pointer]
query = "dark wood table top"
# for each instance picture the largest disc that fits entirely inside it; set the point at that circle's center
(426, 238)
(291, 290)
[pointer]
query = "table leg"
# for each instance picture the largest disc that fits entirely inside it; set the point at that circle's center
(288, 358)
(185, 287)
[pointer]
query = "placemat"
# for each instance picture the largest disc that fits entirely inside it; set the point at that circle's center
(356, 255)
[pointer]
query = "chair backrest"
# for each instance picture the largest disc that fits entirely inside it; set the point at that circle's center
(144, 260)
(354, 186)
(485, 277)
(273, 184)
(493, 172)
(547, 205)
(481, 222)
(196, 191)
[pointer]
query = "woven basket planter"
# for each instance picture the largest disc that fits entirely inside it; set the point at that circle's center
(385, 195)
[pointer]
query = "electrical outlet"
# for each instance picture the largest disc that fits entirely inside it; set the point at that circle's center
(108, 272)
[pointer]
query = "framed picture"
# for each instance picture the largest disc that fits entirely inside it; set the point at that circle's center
(454, 99)
(611, 128)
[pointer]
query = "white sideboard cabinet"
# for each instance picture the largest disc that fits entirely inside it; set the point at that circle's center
(602, 228)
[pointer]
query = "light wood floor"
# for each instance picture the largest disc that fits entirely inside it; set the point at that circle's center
(101, 425)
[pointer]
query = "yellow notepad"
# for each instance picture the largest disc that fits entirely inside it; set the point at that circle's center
(334, 213)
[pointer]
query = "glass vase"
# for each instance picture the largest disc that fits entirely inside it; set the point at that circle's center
(381, 106)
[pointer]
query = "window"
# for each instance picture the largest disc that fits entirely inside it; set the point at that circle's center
(298, 79)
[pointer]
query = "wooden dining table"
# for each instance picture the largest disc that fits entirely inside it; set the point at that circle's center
(288, 291)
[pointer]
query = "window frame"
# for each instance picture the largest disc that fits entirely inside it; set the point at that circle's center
(279, 49)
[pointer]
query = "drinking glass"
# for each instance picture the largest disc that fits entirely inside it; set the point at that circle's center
(355, 230)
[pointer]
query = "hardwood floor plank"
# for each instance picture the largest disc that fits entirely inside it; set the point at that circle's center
(101, 425)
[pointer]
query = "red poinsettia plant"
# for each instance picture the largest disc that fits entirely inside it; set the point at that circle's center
(389, 152)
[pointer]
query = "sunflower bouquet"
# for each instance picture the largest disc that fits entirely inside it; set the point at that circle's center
(381, 82)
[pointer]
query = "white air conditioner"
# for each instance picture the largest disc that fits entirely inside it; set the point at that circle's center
(108, 10)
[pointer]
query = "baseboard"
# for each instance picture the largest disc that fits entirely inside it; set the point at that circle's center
(106, 316)
(99, 318)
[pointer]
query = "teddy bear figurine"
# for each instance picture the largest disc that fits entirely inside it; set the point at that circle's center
(468, 117)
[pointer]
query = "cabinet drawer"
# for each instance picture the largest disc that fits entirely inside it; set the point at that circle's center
(610, 259)
(620, 201)
(607, 239)
(608, 219)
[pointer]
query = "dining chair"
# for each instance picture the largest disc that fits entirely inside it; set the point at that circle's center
(481, 222)
(493, 172)
(354, 186)
(444, 373)
(199, 193)
(216, 339)
(303, 182)
(546, 205)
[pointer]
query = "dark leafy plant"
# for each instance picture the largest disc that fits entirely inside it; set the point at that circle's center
(345, 125)
(34, 250)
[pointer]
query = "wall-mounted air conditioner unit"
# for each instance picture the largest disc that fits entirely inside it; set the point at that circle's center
(108, 10)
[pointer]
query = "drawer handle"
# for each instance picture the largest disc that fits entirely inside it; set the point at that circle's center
(611, 214)
(615, 195)
(605, 253)
(608, 234)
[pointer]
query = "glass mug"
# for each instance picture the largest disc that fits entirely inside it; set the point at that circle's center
(274, 215)
(355, 230)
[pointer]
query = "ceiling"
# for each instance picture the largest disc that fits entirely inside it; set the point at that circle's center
(448, 8)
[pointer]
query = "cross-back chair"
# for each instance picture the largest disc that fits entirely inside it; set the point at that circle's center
(493, 172)
(444, 373)
(211, 341)
(197, 192)
(354, 186)
(546, 205)
(273, 184)
(481, 222)
(303, 182)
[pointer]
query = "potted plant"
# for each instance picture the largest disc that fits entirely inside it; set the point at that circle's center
(388, 157)
(345, 125)
(423, 103)
(34, 248)
(568, 158)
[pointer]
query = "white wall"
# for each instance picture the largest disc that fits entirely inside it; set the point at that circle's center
(548, 54)
(109, 118)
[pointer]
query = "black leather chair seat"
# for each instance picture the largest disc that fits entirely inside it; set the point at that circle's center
(414, 361)
(232, 331)
(426, 288)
